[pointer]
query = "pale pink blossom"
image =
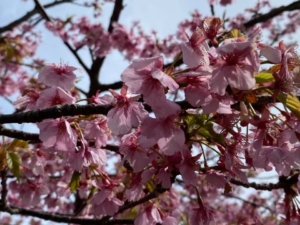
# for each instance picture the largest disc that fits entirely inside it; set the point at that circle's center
(58, 134)
(195, 51)
(134, 153)
(126, 114)
(145, 76)
(103, 100)
(168, 136)
(236, 67)
(201, 215)
(27, 101)
(98, 130)
(169, 220)
(30, 192)
(188, 166)
(150, 216)
(58, 76)
(105, 202)
(54, 96)
(135, 191)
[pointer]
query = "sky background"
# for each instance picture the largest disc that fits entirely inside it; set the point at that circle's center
(161, 15)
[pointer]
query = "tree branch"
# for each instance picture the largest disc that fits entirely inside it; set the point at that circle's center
(29, 14)
(98, 62)
(274, 12)
(44, 14)
(74, 110)
(284, 182)
(64, 218)
(34, 138)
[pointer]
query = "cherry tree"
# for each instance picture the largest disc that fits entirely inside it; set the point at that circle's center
(191, 125)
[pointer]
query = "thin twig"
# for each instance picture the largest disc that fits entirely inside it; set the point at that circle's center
(29, 14)
(273, 13)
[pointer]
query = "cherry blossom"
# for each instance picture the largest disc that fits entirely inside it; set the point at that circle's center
(237, 68)
(145, 76)
(58, 76)
(53, 96)
(126, 114)
(57, 134)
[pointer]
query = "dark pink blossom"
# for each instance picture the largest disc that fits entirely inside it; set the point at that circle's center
(58, 76)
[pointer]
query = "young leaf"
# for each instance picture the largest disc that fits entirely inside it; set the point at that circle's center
(16, 143)
(264, 77)
(13, 162)
(74, 183)
(291, 102)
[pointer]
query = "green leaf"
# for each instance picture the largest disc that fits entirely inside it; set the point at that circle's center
(74, 183)
(264, 77)
(210, 134)
(194, 121)
(13, 162)
(16, 143)
(291, 102)
(131, 214)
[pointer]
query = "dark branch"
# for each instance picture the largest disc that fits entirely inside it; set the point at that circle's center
(74, 110)
(116, 85)
(98, 62)
(158, 190)
(34, 138)
(47, 17)
(4, 188)
(64, 218)
(284, 182)
(65, 110)
(274, 12)
(29, 14)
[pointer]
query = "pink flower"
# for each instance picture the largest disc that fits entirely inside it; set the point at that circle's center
(58, 134)
(134, 153)
(105, 202)
(27, 101)
(103, 100)
(54, 96)
(98, 130)
(135, 191)
(188, 166)
(195, 51)
(201, 215)
(197, 89)
(236, 67)
(126, 114)
(145, 76)
(30, 192)
(150, 216)
(164, 132)
(226, 2)
(58, 76)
